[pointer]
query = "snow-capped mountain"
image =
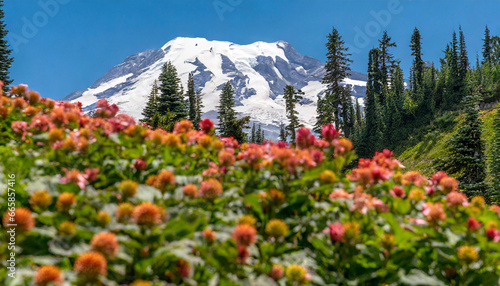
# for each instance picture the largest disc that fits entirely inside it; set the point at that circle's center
(259, 72)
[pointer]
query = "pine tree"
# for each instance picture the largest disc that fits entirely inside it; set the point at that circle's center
(337, 69)
(373, 121)
(453, 79)
(253, 137)
(283, 132)
(229, 124)
(486, 46)
(152, 105)
(494, 193)
(347, 112)
(292, 97)
(226, 109)
(5, 59)
(463, 62)
(386, 58)
(359, 116)
(262, 136)
(417, 70)
(155, 121)
(466, 159)
(191, 95)
(198, 107)
(325, 110)
(259, 136)
(171, 93)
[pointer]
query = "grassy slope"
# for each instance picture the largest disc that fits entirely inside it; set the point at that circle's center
(422, 155)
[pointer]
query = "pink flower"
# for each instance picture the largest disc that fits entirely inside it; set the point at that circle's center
(454, 199)
(336, 231)
(91, 174)
(140, 165)
(74, 176)
(19, 126)
(340, 194)
(418, 221)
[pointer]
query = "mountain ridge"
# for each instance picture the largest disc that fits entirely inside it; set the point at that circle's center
(258, 72)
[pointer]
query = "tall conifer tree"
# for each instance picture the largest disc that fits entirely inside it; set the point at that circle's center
(417, 70)
(5, 53)
(151, 107)
(171, 94)
(292, 97)
(191, 95)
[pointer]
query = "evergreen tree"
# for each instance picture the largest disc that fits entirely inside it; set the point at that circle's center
(453, 79)
(373, 130)
(494, 193)
(259, 136)
(198, 107)
(283, 132)
(5, 59)
(466, 159)
(417, 70)
(359, 116)
(253, 138)
(262, 136)
(229, 124)
(337, 68)
(292, 97)
(463, 62)
(386, 58)
(325, 110)
(487, 46)
(347, 112)
(152, 105)
(191, 95)
(155, 121)
(171, 94)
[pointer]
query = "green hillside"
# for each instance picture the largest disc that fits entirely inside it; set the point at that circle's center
(422, 151)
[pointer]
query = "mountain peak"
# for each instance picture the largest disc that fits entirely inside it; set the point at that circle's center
(258, 72)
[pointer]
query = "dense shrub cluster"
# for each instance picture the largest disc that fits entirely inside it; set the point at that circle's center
(103, 201)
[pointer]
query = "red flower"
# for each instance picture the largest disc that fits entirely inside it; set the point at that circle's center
(243, 254)
(210, 189)
(90, 265)
(105, 243)
(277, 272)
(455, 199)
(493, 234)
(48, 274)
(473, 224)
(206, 125)
(140, 165)
(397, 192)
(329, 132)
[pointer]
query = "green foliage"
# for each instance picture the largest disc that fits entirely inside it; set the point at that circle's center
(494, 193)
(186, 208)
(191, 95)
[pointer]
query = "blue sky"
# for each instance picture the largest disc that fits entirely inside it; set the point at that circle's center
(65, 45)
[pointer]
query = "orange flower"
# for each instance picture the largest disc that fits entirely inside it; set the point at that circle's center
(478, 202)
(40, 199)
(209, 235)
(416, 195)
(22, 217)
(90, 265)
(55, 134)
(204, 140)
(105, 243)
(124, 212)
(244, 234)
(65, 201)
(147, 214)
(454, 199)
(277, 272)
(140, 283)
(210, 189)
(414, 177)
(448, 184)
(164, 180)
(48, 274)
(467, 254)
(183, 126)
(190, 191)
(340, 194)
(434, 212)
(171, 140)
(226, 158)
(277, 197)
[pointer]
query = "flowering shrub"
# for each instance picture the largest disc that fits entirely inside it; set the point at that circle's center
(102, 200)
